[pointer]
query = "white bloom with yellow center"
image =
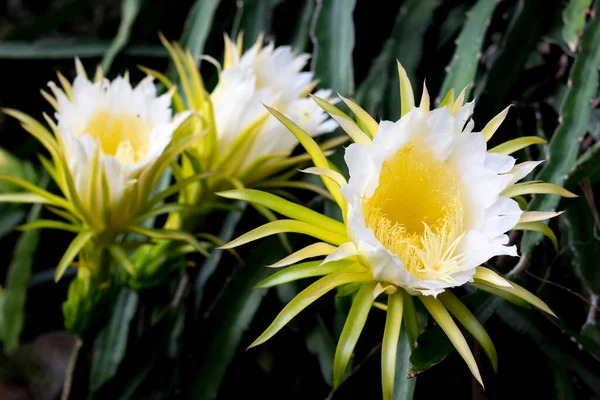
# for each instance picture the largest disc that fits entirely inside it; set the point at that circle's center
(129, 127)
(108, 148)
(424, 203)
(266, 75)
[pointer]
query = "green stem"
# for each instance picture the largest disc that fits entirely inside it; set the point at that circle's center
(410, 320)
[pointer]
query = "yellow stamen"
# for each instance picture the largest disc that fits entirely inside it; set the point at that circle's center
(416, 212)
(124, 136)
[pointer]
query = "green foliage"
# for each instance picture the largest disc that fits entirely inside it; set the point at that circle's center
(574, 18)
(229, 317)
(463, 67)
(333, 33)
(574, 118)
(129, 11)
(112, 340)
(14, 295)
(378, 94)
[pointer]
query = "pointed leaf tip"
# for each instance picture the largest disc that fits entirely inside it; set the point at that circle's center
(445, 321)
(407, 97)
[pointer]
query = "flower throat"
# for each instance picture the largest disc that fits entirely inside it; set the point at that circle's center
(416, 212)
(123, 136)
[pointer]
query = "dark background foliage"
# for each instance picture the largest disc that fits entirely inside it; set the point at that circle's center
(187, 338)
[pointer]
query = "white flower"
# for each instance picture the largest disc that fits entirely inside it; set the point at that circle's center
(114, 129)
(271, 76)
(424, 203)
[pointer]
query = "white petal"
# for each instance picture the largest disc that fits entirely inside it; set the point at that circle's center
(501, 217)
(521, 170)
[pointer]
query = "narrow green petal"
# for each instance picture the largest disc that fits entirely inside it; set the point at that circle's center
(445, 321)
(301, 301)
(72, 251)
(355, 273)
(30, 187)
(488, 275)
(458, 103)
(291, 226)
(471, 324)
(411, 323)
(314, 250)
(533, 216)
(492, 126)
(315, 152)
(344, 120)
(304, 270)
(362, 115)
(424, 104)
(285, 207)
(492, 289)
(448, 99)
(50, 224)
(511, 146)
(23, 198)
(407, 97)
(328, 173)
(536, 188)
(168, 234)
(281, 183)
(391, 334)
(538, 227)
(178, 186)
(521, 293)
(120, 256)
(352, 329)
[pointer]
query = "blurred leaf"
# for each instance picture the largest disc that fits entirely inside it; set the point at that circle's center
(463, 67)
(574, 117)
(453, 21)
(404, 388)
(433, 345)
(333, 40)
(112, 341)
(14, 294)
(129, 11)
(254, 18)
(555, 34)
(10, 214)
(69, 48)
(302, 29)
(197, 26)
(557, 346)
(574, 19)
(10, 217)
(208, 267)
(321, 344)
(520, 40)
(590, 329)
(594, 126)
(13, 166)
(577, 224)
(562, 385)
(229, 317)
(405, 44)
(587, 166)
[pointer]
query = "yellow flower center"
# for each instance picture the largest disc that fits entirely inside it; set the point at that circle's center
(124, 136)
(416, 212)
